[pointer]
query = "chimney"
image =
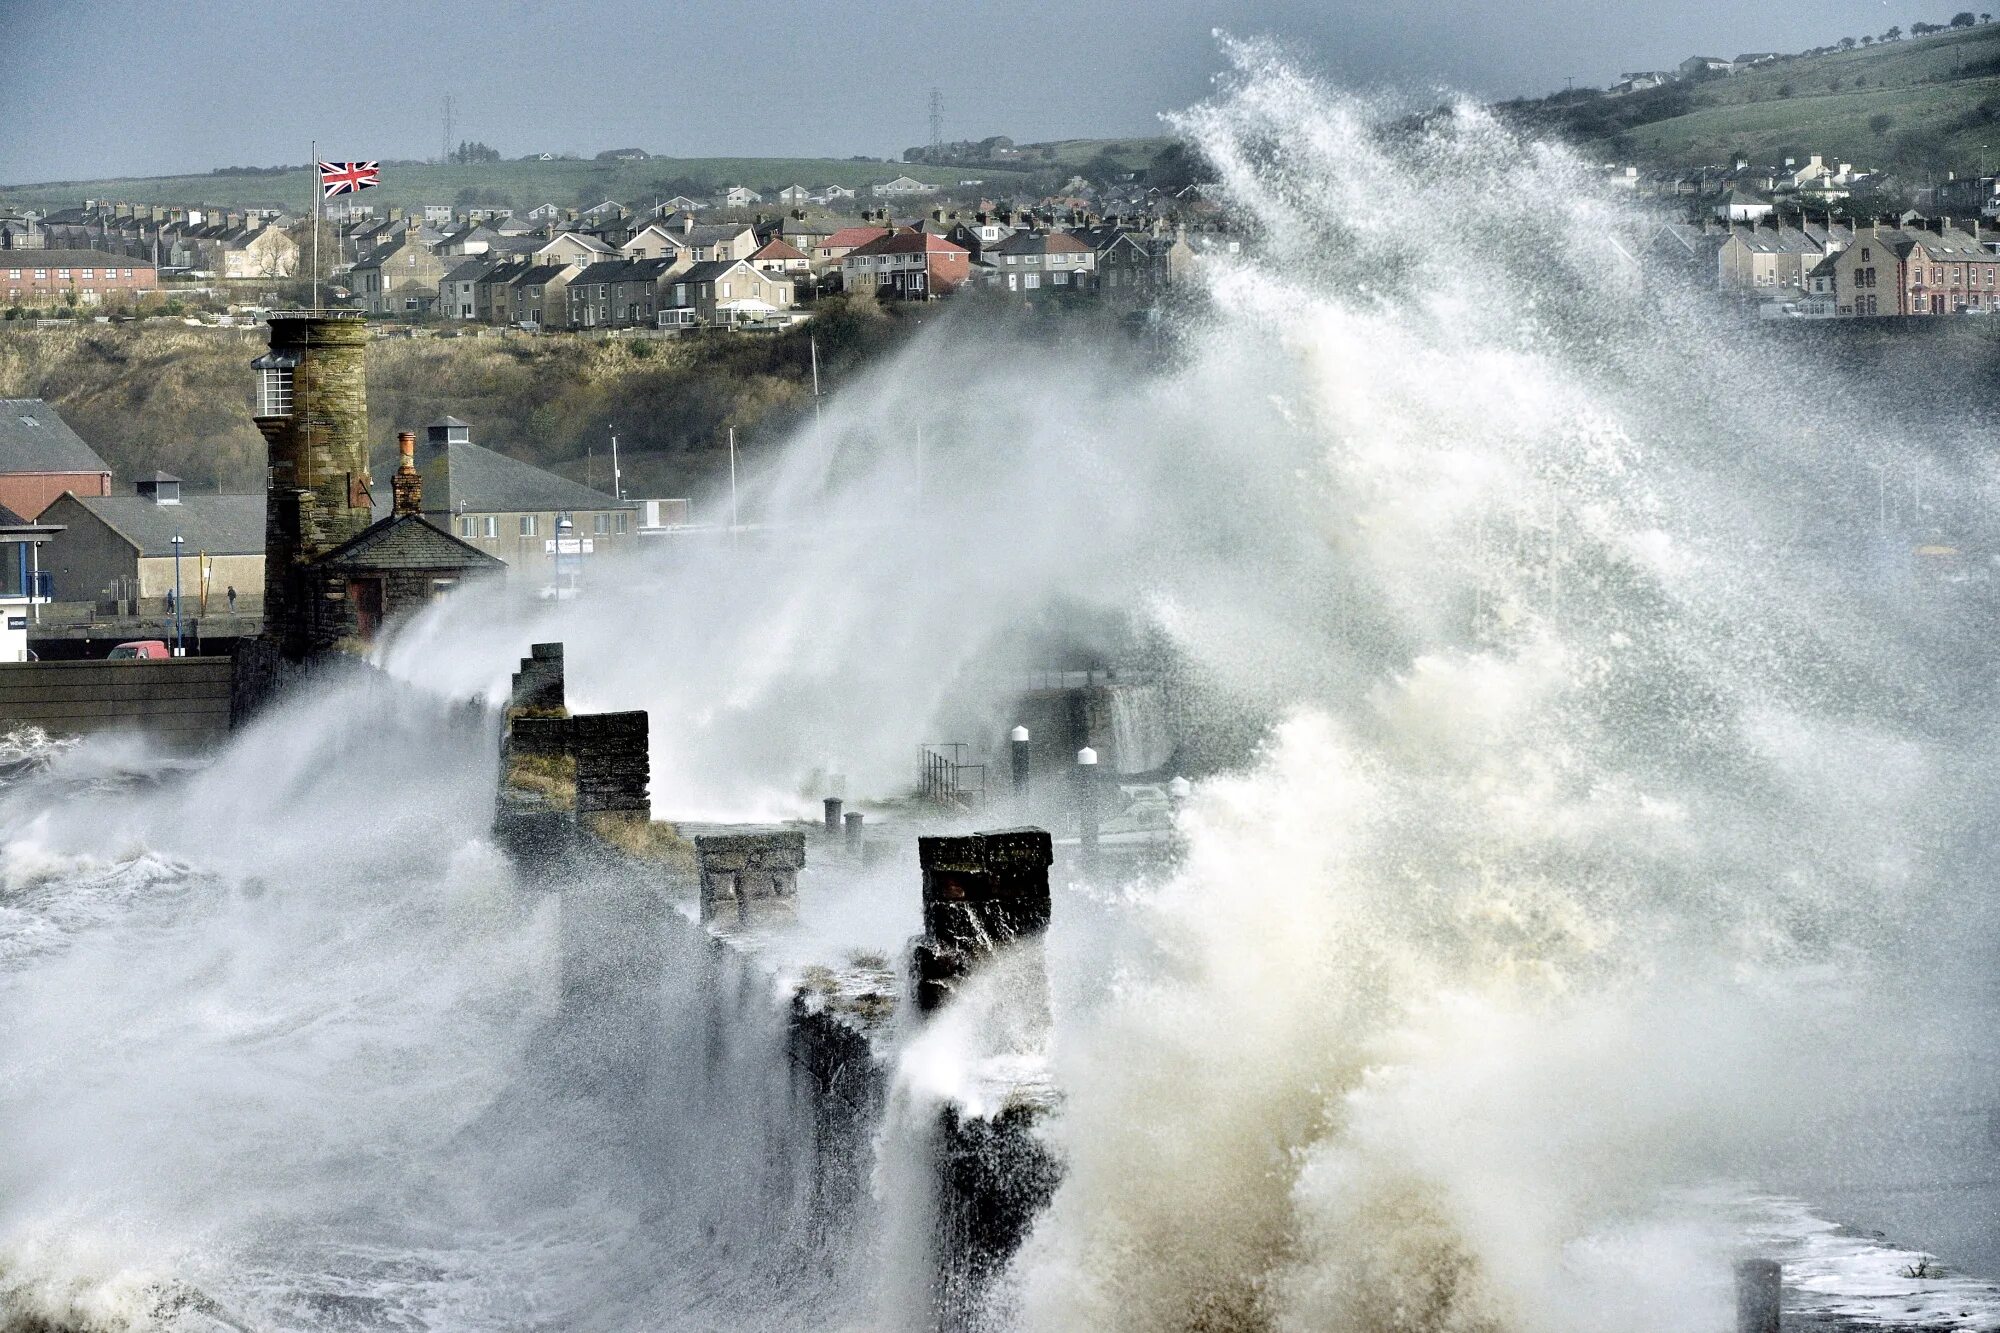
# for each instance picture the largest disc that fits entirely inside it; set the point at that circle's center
(407, 485)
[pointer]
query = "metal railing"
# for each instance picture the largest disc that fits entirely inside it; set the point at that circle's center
(946, 779)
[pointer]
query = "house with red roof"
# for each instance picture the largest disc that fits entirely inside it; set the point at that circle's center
(779, 256)
(906, 266)
(829, 252)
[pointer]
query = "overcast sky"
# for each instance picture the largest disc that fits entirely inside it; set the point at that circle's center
(139, 87)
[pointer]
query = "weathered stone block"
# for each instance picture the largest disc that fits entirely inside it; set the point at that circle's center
(749, 878)
(981, 893)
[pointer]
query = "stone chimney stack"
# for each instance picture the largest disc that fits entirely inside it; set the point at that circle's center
(408, 483)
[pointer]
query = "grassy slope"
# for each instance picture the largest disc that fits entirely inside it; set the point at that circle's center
(162, 395)
(1923, 84)
(527, 184)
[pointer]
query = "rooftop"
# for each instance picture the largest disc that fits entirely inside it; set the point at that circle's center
(35, 438)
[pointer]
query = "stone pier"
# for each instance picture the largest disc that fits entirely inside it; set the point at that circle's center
(568, 781)
(981, 893)
(750, 879)
(557, 768)
(538, 685)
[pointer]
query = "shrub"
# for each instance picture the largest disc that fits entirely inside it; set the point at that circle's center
(1881, 122)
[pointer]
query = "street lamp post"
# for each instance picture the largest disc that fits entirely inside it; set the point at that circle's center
(566, 553)
(178, 540)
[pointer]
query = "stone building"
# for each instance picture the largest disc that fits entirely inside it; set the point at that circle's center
(312, 407)
(391, 569)
(513, 511)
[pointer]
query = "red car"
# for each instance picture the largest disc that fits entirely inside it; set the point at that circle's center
(141, 650)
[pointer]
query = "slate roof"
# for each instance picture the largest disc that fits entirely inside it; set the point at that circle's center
(472, 270)
(482, 481)
(911, 242)
(849, 237)
(408, 541)
(609, 270)
(34, 438)
(714, 233)
(1041, 243)
(713, 269)
(212, 524)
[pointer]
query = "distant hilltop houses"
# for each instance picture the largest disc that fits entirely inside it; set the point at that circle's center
(735, 257)
(1788, 241)
(1698, 67)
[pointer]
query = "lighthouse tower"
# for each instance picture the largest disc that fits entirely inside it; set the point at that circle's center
(312, 407)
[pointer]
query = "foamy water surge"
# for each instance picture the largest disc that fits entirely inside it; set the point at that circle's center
(1593, 808)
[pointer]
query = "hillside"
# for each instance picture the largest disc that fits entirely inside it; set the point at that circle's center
(162, 395)
(1919, 105)
(524, 185)
(520, 185)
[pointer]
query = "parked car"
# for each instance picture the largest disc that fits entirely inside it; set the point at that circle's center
(144, 650)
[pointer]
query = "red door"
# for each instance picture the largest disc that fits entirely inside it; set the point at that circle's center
(366, 595)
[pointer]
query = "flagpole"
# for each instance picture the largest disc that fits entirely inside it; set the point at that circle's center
(312, 170)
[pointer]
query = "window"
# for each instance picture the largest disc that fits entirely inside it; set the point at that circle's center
(90, 273)
(13, 272)
(527, 525)
(600, 523)
(41, 273)
(1865, 256)
(1032, 281)
(274, 393)
(621, 525)
(62, 273)
(128, 272)
(492, 526)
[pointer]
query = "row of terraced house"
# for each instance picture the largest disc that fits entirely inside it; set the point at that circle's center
(1798, 269)
(673, 272)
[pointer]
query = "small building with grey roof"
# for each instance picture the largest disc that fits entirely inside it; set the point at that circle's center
(41, 458)
(122, 546)
(506, 508)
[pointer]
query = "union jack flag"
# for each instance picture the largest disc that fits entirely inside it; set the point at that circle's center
(347, 177)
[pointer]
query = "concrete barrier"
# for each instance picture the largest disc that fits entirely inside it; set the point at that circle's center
(184, 700)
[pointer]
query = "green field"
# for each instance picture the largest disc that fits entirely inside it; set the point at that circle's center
(1940, 96)
(524, 184)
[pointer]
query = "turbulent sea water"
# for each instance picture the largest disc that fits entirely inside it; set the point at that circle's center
(1589, 875)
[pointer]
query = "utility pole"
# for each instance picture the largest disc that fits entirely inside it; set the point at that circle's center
(617, 476)
(445, 154)
(812, 344)
(732, 481)
(937, 123)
